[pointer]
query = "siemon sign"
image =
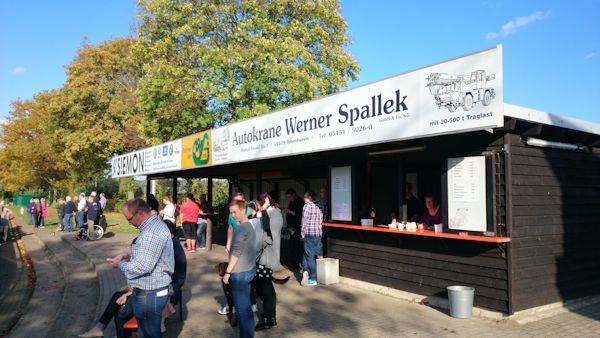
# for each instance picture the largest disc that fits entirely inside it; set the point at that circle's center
(129, 164)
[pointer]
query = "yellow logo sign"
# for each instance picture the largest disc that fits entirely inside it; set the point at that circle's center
(196, 150)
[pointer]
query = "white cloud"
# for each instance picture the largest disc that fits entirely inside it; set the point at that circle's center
(512, 26)
(521, 21)
(19, 70)
(491, 36)
(590, 55)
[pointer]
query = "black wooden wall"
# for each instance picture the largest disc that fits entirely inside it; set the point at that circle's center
(555, 206)
(422, 265)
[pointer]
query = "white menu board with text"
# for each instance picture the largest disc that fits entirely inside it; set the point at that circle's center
(467, 199)
(341, 194)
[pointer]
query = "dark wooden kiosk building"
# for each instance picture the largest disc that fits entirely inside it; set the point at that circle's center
(519, 188)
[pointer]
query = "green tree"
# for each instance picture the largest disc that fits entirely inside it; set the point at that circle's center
(29, 160)
(210, 62)
(95, 115)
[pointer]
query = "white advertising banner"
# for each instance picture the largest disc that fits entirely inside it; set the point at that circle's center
(467, 199)
(460, 95)
(463, 94)
(161, 158)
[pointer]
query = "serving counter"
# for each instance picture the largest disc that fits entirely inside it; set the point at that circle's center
(427, 233)
(422, 261)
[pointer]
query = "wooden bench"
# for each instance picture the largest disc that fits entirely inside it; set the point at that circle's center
(133, 325)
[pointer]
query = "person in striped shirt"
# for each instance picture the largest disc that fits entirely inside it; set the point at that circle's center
(311, 232)
(148, 267)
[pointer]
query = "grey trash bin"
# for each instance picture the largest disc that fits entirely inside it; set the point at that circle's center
(461, 301)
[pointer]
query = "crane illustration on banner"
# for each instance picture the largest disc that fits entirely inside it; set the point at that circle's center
(457, 90)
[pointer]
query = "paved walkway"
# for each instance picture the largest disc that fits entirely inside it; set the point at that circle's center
(336, 310)
(14, 292)
(66, 289)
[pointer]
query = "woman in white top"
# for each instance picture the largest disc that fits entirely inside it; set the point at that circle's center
(168, 212)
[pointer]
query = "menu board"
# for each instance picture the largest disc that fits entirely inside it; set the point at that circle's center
(341, 194)
(467, 204)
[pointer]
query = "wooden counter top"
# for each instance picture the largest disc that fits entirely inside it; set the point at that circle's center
(426, 233)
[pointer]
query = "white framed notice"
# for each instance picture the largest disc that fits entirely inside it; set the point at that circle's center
(467, 195)
(341, 193)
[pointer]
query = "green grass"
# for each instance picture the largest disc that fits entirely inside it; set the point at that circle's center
(116, 221)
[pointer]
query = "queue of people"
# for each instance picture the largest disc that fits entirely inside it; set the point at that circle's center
(155, 265)
(80, 212)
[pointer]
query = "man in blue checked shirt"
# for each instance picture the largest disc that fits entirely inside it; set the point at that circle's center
(149, 266)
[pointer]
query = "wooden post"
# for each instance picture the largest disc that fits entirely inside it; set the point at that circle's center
(148, 184)
(209, 192)
(209, 222)
(209, 233)
(174, 192)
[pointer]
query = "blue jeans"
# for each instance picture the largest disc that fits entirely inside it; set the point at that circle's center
(81, 219)
(147, 308)
(240, 289)
(68, 219)
(201, 235)
(30, 218)
(312, 247)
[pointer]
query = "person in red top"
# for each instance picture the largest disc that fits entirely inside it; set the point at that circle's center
(189, 211)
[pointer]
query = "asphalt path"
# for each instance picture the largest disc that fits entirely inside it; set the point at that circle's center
(12, 273)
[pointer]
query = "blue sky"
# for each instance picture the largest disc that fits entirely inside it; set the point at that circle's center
(551, 48)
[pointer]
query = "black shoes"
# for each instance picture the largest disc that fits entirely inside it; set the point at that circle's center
(265, 324)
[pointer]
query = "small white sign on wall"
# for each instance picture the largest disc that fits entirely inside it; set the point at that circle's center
(467, 199)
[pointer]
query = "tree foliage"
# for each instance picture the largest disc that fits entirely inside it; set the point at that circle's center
(29, 161)
(207, 63)
(193, 66)
(95, 115)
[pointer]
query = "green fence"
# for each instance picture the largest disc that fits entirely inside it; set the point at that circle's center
(24, 199)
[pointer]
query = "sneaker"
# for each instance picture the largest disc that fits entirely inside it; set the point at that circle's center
(224, 310)
(254, 308)
(311, 282)
(202, 248)
(42, 227)
(304, 281)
